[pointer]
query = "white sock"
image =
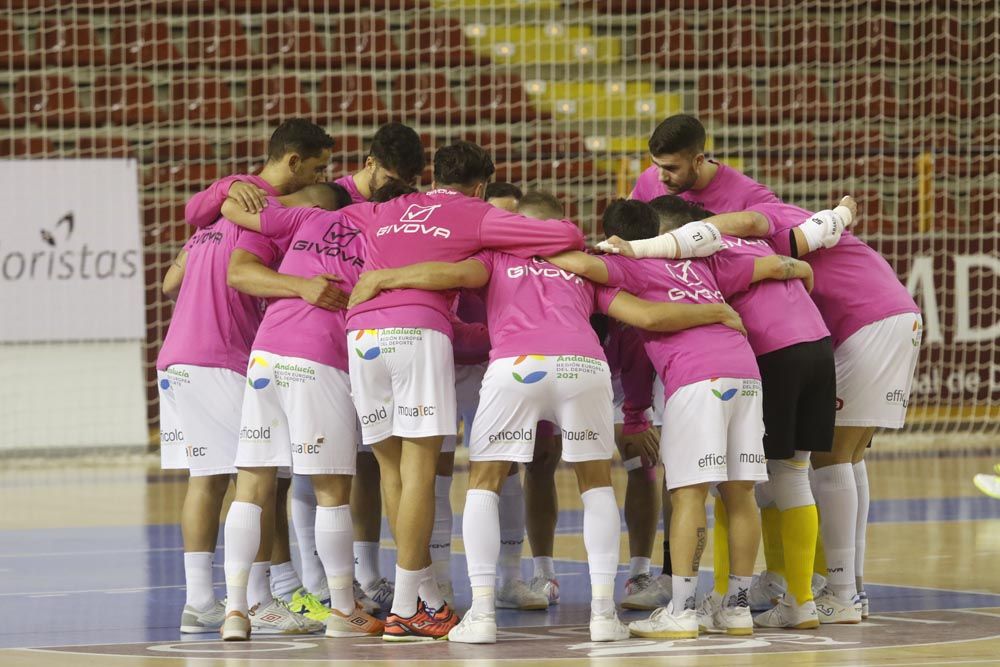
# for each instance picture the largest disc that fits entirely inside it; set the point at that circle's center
(334, 536)
(483, 600)
(366, 567)
(198, 580)
(544, 567)
(481, 535)
(284, 580)
(444, 519)
(837, 499)
(511, 511)
(638, 565)
(860, 538)
(242, 538)
(259, 584)
(428, 590)
(684, 589)
(404, 602)
(601, 535)
(738, 592)
(304, 522)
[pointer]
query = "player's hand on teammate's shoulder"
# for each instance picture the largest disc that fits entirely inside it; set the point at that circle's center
(322, 291)
(616, 246)
(252, 198)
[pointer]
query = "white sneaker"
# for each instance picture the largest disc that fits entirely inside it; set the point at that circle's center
(647, 593)
(275, 618)
(833, 610)
(787, 615)
(817, 585)
(194, 621)
(988, 484)
(380, 592)
(607, 628)
(369, 605)
(734, 620)
(665, 624)
(765, 590)
(447, 592)
(863, 596)
(516, 594)
(547, 587)
(707, 611)
(236, 627)
(475, 628)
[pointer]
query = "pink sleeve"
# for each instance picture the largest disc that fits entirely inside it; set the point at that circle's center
(259, 245)
(361, 215)
(205, 207)
(732, 271)
(485, 257)
(603, 296)
(527, 237)
(620, 273)
(637, 375)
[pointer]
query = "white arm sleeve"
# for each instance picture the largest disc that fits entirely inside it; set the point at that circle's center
(824, 228)
(698, 239)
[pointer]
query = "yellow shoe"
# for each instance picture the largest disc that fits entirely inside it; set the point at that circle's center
(305, 603)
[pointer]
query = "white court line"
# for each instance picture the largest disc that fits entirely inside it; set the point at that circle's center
(911, 620)
(88, 590)
(102, 552)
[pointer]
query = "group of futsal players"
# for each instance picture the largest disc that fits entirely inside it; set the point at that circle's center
(743, 370)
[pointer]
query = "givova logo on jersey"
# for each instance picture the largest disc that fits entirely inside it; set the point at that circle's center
(364, 346)
(524, 374)
(257, 373)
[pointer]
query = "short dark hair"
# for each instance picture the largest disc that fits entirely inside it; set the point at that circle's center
(544, 203)
(462, 163)
(678, 134)
(391, 190)
(298, 135)
(336, 196)
(675, 212)
(397, 147)
(503, 189)
(631, 219)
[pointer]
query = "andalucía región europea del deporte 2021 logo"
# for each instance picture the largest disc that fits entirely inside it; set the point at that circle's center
(530, 377)
(258, 382)
(723, 395)
(371, 352)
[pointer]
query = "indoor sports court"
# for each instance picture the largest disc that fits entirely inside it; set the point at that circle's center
(115, 114)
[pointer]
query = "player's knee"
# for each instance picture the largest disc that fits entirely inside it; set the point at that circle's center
(332, 490)
(488, 475)
(789, 482)
(592, 474)
(256, 485)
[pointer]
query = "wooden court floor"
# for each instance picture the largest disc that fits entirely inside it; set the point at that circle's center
(91, 574)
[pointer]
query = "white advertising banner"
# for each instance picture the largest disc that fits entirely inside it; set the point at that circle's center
(71, 264)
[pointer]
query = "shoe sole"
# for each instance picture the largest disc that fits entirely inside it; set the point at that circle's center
(235, 636)
(535, 606)
(199, 629)
(804, 625)
(275, 631)
(687, 634)
(475, 640)
(347, 634)
(411, 638)
(710, 631)
(847, 622)
(638, 607)
(739, 632)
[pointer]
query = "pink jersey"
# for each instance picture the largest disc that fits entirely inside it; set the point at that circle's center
(854, 285)
(213, 325)
(729, 190)
(318, 242)
(692, 355)
(628, 360)
(445, 226)
(205, 207)
(534, 307)
(347, 182)
(776, 313)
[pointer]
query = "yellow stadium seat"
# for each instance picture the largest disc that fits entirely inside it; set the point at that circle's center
(575, 100)
(549, 43)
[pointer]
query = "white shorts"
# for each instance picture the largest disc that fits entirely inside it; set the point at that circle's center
(518, 392)
(468, 381)
(713, 431)
(206, 416)
(403, 382)
(875, 371)
(653, 414)
(297, 414)
(172, 451)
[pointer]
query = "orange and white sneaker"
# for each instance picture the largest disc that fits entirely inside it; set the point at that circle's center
(425, 625)
(357, 624)
(235, 628)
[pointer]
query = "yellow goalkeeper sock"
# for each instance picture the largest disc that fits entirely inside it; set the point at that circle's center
(720, 548)
(799, 527)
(774, 553)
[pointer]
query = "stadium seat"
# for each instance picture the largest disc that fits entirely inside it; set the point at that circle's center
(442, 43)
(671, 43)
(365, 41)
(985, 97)
(557, 145)
(870, 96)
(937, 96)
(294, 42)
(276, 98)
(792, 142)
(739, 42)
(163, 222)
(125, 100)
(203, 101)
(851, 142)
(940, 38)
(800, 42)
(872, 40)
(728, 97)
(144, 43)
(426, 98)
(12, 52)
(248, 153)
(219, 43)
(69, 44)
(984, 208)
(554, 42)
(871, 208)
(26, 147)
(986, 38)
(500, 98)
(350, 98)
(103, 147)
(49, 99)
(181, 176)
(497, 143)
(945, 214)
(798, 97)
(332, 7)
(182, 149)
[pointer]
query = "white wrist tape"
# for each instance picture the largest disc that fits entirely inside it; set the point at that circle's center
(633, 463)
(664, 245)
(698, 239)
(822, 229)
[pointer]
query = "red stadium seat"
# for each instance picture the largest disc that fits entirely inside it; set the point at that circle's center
(671, 43)
(332, 7)
(12, 52)
(866, 96)
(103, 147)
(498, 144)
(294, 42)
(192, 149)
(347, 98)
(728, 97)
(738, 42)
(985, 97)
(49, 99)
(163, 221)
(801, 143)
(426, 98)
(872, 39)
(500, 98)
(858, 142)
(276, 98)
(800, 42)
(940, 38)
(937, 96)
(144, 43)
(181, 176)
(984, 208)
(204, 101)
(248, 152)
(944, 214)
(798, 97)
(68, 43)
(561, 145)
(26, 147)
(365, 41)
(986, 38)
(219, 43)
(871, 208)
(126, 100)
(441, 42)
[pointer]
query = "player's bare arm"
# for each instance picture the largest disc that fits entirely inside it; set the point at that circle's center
(175, 276)
(672, 317)
(248, 274)
(779, 267)
(252, 198)
(431, 276)
(582, 264)
(234, 212)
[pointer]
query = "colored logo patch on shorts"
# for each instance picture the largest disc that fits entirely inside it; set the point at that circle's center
(164, 384)
(370, 353)
(532, 377)
(723, 395)
(259, 383)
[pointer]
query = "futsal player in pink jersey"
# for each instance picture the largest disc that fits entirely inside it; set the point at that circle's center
(201, 369)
